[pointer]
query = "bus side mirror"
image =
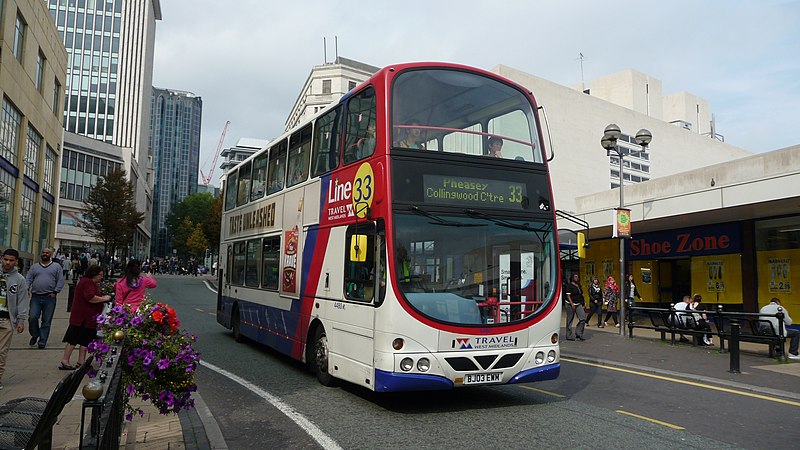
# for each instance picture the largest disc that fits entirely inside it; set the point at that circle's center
(358, 248)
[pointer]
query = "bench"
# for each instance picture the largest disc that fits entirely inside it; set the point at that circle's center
(27, 422)
(668, 321)
(753, 327)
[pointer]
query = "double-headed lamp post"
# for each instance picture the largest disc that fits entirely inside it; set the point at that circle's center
(609, 142)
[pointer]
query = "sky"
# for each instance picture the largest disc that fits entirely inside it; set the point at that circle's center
(249, 59)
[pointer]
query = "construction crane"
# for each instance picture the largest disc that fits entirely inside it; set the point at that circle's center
(207, 178)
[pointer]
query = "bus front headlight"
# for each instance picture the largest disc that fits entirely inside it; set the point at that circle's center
(539, 358)
(423, 365)
(551, 356)
(406, 364)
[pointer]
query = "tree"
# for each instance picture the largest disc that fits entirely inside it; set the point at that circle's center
(196, 207)
(110, 214)
(197, 242)
(202, 210)
(181, 239)
(212, 224)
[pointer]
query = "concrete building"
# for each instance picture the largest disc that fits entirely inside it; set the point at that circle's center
(32, 76)
(244, 148)
(633, 101)
(83, 161)
(728, 231)
(325, 84)
(110, 47)
(175, 146)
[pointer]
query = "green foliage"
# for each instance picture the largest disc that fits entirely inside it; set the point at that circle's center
(193, 221)
(197, 243)
(110, 214)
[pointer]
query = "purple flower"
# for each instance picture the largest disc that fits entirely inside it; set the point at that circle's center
(136, 321)
(163, 363)
(147, 360)
(130, 390)
(129, 417)
(101, 319)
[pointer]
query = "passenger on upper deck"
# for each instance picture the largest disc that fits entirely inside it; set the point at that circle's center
(413, 138)
(495, 147)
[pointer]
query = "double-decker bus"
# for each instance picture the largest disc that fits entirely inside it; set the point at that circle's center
(388, 242)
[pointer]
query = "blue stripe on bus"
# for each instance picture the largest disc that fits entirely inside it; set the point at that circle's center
(537, 374)
(398, 382)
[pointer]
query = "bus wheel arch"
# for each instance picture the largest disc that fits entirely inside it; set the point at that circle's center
(317, 355)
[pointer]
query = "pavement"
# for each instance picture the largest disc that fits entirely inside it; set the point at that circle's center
(34, 372)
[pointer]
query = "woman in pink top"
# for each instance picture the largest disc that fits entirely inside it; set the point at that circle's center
(130, 289)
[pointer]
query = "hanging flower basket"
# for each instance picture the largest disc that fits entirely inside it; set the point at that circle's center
(158, 359)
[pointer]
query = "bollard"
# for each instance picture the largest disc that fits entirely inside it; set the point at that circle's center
(782, 356)
(734, 346)
(672, 322)
(630, 319)
(71, 296)
(721, 328)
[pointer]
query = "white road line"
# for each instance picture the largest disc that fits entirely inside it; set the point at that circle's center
(208, 286)
(318, 435)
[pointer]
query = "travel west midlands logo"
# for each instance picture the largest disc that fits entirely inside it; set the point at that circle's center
(484, 342)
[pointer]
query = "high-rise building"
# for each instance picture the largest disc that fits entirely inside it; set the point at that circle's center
(175, 146)
(32, 77)
(110, 45)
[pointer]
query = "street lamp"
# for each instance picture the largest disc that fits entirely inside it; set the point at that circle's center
(609, 142)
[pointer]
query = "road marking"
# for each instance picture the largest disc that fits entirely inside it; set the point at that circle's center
(689, 383)
(318, 435)
(543, 391)
(208, 286)
(666, 424)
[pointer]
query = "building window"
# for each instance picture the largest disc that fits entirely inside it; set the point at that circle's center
(326, 86)
(351, 85)
(27, 208)
(40, 61)
(7, 182)
(57, 97)
(32, 147)
(9, 131)
(44, 224)
(49, 169)
(19, 38)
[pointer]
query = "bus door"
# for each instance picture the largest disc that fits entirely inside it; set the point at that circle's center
(516, 282)
(353, 319)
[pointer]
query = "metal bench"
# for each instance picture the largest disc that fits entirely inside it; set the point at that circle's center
(27, 423)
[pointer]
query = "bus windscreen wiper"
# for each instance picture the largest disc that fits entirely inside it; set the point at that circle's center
(504, 223)
(440, 221)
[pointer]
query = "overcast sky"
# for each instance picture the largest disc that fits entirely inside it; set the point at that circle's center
(248, 59)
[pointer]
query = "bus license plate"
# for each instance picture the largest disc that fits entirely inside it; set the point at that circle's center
(483, 378)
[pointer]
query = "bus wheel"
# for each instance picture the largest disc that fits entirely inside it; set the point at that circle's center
(236, 326)
(321, 358)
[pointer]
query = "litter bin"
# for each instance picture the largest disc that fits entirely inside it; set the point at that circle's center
(71, 296)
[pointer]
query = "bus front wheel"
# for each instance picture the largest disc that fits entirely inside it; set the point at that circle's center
(236, 326)
(321, 354)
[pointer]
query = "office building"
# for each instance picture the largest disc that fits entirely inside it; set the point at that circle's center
(110, 45)
(32, 76)
(175, 146)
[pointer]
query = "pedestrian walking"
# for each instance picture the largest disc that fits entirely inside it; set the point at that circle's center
(595, 302)
(574, 306)
(610, 298)
(13, 304)
(46, 280)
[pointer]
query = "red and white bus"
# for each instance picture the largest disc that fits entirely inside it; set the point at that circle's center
(383, 243)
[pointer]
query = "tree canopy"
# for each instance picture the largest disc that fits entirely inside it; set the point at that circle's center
(110, 214)
(194, 224)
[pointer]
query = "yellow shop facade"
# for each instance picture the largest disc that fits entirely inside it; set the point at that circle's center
(729, 232)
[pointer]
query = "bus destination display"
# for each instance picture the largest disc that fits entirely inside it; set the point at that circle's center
(450, 190)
